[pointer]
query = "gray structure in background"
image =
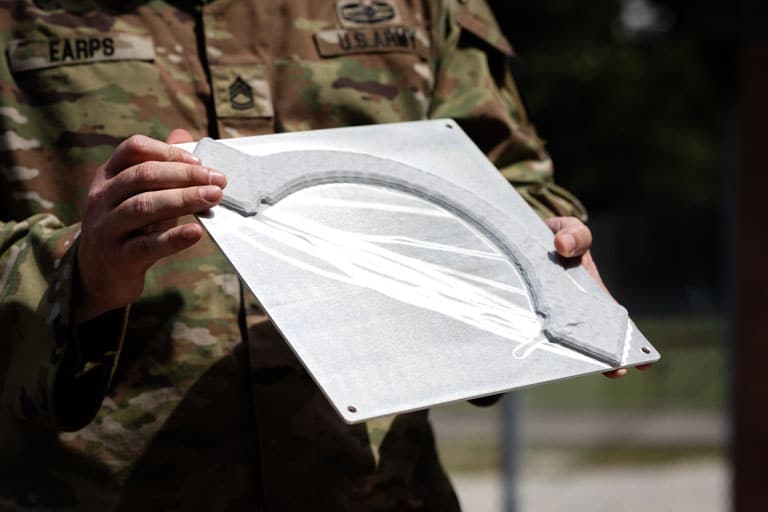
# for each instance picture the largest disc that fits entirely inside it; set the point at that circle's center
(510, 446)
(404, 271)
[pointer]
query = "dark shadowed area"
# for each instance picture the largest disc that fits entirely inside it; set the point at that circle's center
(638, 101)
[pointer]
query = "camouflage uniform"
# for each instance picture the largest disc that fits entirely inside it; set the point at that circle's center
(207, 408)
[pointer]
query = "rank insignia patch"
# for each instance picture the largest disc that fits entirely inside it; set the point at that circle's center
(241, 91)
(240, 95)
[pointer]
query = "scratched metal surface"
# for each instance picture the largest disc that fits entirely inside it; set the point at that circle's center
(392, 302)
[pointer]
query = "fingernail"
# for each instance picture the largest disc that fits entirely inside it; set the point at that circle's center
(569, 243)
(210, 193)
(216, 178)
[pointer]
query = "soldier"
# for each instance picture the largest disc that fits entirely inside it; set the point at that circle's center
(125, 382)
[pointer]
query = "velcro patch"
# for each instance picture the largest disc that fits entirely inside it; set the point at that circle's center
(331, 43)
(31, 54)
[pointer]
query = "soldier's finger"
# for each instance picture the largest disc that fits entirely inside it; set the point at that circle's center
(572, 237)
(146, 249)
(616, 374)
(153, 175)
(156, 206)
(159, 227)
(179, 136)
(139, 148)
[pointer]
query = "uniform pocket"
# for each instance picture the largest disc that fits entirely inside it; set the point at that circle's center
(349, 90)
(82, 88)
(358, 76)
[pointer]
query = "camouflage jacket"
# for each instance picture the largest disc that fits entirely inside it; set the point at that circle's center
(192, 401)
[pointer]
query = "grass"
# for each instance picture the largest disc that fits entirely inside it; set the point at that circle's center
(693, 331)
(485, 455)
(648, 455)
(471, 455)
(692, 376)
(692, 373)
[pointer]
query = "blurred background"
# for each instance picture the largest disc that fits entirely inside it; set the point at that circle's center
(638, 103)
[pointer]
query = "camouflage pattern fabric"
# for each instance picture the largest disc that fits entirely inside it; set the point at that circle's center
(191, 401)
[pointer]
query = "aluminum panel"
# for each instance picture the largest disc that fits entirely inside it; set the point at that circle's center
(404, 271)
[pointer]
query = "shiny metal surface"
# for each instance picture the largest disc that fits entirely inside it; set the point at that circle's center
(396, 301)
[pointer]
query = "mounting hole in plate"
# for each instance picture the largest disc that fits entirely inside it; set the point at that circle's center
(646, 350)
(351, 408)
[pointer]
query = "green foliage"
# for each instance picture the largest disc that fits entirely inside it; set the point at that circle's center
(633, 96)
(636, 100)
(690, 376)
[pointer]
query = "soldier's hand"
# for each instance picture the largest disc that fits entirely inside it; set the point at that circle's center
(131, 215)
(573, 240)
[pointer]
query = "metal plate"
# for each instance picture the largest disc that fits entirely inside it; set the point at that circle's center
(404, 271)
